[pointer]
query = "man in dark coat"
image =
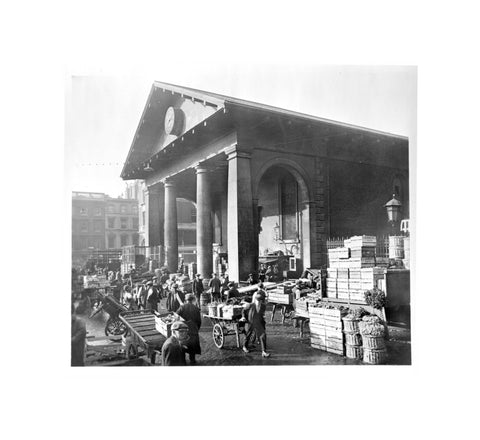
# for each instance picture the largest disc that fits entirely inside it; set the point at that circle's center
(254, 313)
(232, 291)
(191, 314)
(152, 296)
(173, 351)
(197, 287)
(79, 333)
(215, 287)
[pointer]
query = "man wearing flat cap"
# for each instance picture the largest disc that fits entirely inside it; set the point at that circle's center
(152, 296)
(197, 287)
(173, 350)
(254, 313)
(191, 314)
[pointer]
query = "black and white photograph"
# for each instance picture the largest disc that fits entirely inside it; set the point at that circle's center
(243, 233)
(275, 200)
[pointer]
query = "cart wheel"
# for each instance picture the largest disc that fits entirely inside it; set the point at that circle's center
(115, 327)
(218, 337)
(132, 352)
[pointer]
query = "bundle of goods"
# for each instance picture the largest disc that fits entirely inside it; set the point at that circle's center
(351, 329)
(326, 327)
(280, 296)
(163, 323)
(95, 281)
(375, 298)
(232, 311)
(213, 308)
(372, 330)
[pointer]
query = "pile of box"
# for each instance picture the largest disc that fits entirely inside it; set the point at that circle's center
(282, 294)
(352, 269)
(326, 329)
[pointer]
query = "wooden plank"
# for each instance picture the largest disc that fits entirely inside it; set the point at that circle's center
(145, 333)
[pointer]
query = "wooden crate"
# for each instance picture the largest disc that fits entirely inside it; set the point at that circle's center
(362, 252)
(280, 298)
(163, 327)
(354, 274)
(331, 293)
(361, 241)
(331, 273)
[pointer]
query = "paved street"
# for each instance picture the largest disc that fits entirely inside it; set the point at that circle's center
(284, 344)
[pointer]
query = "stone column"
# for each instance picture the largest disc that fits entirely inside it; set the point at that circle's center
(204, 223)
(154, 210)
(241, 228)
(171, 227)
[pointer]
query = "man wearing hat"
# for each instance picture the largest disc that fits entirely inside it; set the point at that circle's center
(254, 313)
(215, 286)
(197, 287)
(173, 350)
(232, 291)
(191, 314)
(152, 296)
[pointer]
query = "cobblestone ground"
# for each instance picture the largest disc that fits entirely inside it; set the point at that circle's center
(284, 344)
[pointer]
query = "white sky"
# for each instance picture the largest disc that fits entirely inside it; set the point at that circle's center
(103, 112)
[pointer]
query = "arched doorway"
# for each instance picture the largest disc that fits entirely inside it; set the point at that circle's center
(283, 220)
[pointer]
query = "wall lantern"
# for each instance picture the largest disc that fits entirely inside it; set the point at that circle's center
(148, 168)
(276, 232)
(393, 210)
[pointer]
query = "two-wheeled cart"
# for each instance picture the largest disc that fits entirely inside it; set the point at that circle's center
(141, 335)
(114, 325)
(226, 326)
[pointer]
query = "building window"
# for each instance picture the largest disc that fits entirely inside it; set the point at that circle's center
(111, 208)
(84, 226)
(111, 241)
(135, 223)
(135, 209)
(193, 214)
(123, 240)
(97, 226)
(97, 212)
(123, 222)
(123, 209)
(111, 222)
(288, 208)
(83, 211)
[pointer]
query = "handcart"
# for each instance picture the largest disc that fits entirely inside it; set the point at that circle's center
(223, 327)
(141, 334)
(113, 307)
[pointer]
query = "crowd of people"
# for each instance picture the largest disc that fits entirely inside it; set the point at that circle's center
(137, 293)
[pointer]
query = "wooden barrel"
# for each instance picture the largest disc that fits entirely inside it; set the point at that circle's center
(395, 247)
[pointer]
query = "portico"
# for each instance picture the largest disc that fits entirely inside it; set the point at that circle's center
(265, 181)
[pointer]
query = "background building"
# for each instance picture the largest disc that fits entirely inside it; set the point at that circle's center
(121, 222)
(100, 222)
(88, 225)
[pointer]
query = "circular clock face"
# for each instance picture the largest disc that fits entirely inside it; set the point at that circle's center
(169, 120)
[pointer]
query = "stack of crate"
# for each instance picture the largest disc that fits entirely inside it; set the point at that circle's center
(362, 251)
(370, 277)
(352, 269)
(326, 330)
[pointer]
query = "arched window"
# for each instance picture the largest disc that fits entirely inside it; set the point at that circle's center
(288, 204)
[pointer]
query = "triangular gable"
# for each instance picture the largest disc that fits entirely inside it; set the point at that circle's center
(191, 107)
